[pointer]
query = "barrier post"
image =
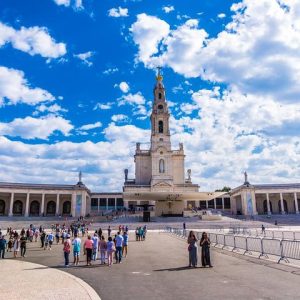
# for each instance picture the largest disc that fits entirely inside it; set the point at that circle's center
(262, 248)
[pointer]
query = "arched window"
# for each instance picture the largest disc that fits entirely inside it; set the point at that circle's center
(160, 126)
(159, 96)
(34, 208)
(67, 208)
(51, 207)
(161, 166)
(18, 208)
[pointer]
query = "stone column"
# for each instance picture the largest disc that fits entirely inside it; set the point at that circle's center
(268, 204)
(11, 205)
(296, 203)
(106, 203)
(57, 205)
(43, 205)
(206, 202)
(98, 204)
(27, 205)
(223, 206)
(115, 203)
(215, 203)
(281, 204)
(73, 205)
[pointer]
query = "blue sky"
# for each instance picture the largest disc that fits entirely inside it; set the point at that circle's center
(76, 79)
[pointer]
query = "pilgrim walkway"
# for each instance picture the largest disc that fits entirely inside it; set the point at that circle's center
(157, 269)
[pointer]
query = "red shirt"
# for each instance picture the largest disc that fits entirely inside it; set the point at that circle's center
(88, 244)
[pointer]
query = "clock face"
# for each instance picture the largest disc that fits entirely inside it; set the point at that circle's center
(160, 106)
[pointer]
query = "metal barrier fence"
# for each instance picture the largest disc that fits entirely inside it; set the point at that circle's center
(282, 248)
(274, 234)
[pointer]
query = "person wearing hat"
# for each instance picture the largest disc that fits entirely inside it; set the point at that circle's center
(67, 250)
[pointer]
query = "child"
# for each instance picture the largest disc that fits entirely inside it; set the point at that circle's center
(9, 244)
(102, 249)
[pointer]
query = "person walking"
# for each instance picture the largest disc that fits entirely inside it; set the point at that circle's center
(76, 249)
(110, 251)
(125, 244)
(2, 246)
(205, 253)
(95, 240)
(67, 250)
(23, 241)
(50, 240)
(88, 249)
(102, 249)
(43, 237)
(192, 248)
(16, 246)
(119, 247)
(109, 231)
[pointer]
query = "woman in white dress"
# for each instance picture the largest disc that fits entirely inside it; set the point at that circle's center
(16, 246)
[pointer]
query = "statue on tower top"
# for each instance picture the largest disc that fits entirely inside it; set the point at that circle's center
(80, 176)
(159, 76)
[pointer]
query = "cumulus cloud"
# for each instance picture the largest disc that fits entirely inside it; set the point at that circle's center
(257, 52)
(221, 16)
(119, 118)
(54, 109)
(118, 12)
(14, 88)
(84, 57)
(103, 106)
(102, 163)
(124, 87)
(168, 9)
(36, 128)
(32, 40)
(77, 4)
(148, 32)
(91, 126)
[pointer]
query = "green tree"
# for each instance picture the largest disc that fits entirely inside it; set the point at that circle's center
(224, 189)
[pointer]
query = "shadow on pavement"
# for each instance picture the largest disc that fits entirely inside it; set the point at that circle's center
(176, 269)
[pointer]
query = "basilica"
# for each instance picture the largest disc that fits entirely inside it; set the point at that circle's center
(160, 181)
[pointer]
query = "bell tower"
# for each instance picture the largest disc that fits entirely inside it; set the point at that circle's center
(160, 130)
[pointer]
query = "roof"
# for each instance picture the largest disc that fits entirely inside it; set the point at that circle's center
(38, 186)
(267, 186)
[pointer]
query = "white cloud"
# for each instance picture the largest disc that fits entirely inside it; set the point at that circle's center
(32, 128)
(124, 87)
(119, 118)
(258, 52)
(14, 89)
(54, 109)
(110, 71)
(91, 126)
(77, 4)
(32, 40)
(168, 9)
(84, 57)
(103, 106)
(61, 161)
(221, 16)
(118, 12)
(148, 31)
(133, 99)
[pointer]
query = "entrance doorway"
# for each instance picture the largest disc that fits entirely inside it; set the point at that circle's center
(34, 208)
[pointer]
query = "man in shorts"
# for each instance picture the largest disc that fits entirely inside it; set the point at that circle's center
(50, 239)
(76, 249)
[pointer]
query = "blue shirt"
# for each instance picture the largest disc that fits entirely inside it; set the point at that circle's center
(125, 237)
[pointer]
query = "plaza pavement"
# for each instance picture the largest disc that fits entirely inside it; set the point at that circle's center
(21, 280)
(157, 269)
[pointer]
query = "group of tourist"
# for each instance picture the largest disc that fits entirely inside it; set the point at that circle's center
(140, 233)
(97, 244)
(193, 250)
